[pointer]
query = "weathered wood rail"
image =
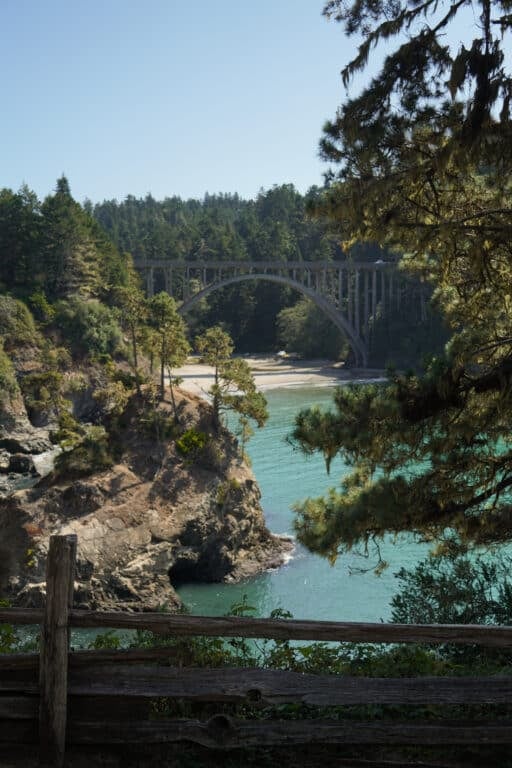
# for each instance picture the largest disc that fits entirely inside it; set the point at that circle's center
(58, 697)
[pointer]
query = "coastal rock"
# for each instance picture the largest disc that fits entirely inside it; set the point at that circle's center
(20, 442)
(20, 463)
(151, 522)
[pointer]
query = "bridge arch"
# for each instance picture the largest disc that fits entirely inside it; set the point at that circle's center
(356, 342)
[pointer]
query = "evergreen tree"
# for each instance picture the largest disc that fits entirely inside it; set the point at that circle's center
(233, 383)
(134, 312)
(423, 163)
(70, 256)
(170, 329)
(20, 239)
(305, 329)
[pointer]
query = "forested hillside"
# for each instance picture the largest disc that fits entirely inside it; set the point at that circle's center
(61, 257)
(55, 247)
(276, 226)
(87, 435)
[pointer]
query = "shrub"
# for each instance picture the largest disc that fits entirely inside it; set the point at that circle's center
(41, 307)
(17, 325)
(112, 398)
(8, 384)
(69, 433)
(191, 443)
(457, 588)
(224, 489)
(90, 326)
(42, 393)
(92, 454)
(55, 358)
(10, 639)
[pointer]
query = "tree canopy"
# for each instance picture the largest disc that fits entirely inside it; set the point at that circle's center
(55, 247)
(422, 161)
(233, 385)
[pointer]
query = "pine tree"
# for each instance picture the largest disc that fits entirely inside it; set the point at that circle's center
(134, 312)
(71, 260)
(423, 161)
(170, 329)
(233, 383)
(20, 239)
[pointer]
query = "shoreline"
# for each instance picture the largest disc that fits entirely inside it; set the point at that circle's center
(273, 373)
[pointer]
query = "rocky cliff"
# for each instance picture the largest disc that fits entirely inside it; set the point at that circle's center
(165, 512)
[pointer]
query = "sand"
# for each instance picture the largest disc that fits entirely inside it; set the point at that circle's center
(274, 373)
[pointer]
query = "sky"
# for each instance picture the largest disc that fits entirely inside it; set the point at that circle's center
(168, 97)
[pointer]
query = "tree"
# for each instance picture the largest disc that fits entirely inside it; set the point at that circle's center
(233, 383)
(305, 329)
(71, 259)
(452, 587)
(424, 159)
(134, 311)
(170, 328)
(273, 227)
(20, 238)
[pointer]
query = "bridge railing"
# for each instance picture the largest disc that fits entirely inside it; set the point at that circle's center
(61, 698)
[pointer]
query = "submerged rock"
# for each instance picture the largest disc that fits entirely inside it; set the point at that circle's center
(154, 520)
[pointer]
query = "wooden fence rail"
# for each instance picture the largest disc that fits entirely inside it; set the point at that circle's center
(59, 697)
(277, 629)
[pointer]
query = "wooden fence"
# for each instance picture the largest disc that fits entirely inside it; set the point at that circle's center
(60, 697)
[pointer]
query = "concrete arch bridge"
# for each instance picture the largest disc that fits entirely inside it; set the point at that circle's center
(352, 294)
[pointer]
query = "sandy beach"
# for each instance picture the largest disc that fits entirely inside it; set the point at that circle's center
(274, 373)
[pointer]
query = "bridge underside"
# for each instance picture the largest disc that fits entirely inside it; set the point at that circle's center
(356, 342)
(352, 294)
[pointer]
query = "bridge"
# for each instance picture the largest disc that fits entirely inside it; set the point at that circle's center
(352, 294)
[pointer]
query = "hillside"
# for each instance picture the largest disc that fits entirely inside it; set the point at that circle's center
(154, 487)
(162, 514)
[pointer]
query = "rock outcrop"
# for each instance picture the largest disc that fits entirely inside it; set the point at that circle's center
(20, 442)
(152, 521)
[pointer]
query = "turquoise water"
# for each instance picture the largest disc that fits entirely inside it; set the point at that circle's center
(307, 585)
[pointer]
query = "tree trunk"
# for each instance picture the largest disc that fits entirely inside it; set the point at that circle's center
(173, 399)
(135, 361)
(162, 371)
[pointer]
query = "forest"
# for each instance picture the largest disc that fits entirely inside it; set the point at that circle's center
(57, 248)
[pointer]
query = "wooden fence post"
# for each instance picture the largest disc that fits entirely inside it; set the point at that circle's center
(53, 659)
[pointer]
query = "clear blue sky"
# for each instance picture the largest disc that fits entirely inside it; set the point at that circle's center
(166, 96)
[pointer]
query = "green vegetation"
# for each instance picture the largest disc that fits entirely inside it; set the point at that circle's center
(90, 326)
(133, 312)
(8, 384)
(305, 329)
(422, 162)
(432, 577)
(42, 393)
(55, 248)
(69, 432)
(92, 454)
(233, 385)
(191, 443)
(11, 640)
(17, 326)
(173, 346)
(259, 316)
(61, 261)
(446, 585)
